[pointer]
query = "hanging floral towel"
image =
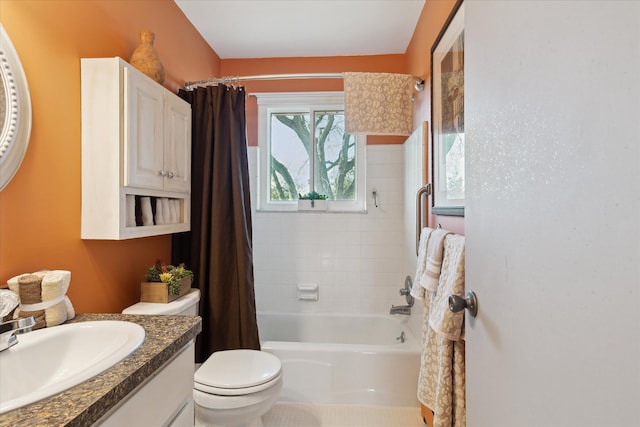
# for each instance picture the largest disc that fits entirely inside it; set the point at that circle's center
(441, 381)
(378, 103)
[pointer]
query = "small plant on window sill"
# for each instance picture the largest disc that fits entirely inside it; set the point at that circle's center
(312, 196)
(315, 200)
(168, 274)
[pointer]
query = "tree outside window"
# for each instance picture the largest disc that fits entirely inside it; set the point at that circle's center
(303, 149)
(301, 164)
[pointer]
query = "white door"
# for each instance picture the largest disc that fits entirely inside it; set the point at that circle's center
(552, 114)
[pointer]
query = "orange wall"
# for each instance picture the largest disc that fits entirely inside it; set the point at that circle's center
(433, 16)
(336, 64)
(415, 61)
(40, 207)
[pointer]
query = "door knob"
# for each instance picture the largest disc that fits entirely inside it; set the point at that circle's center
(470, 302)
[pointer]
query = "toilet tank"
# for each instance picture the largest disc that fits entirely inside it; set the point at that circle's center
(185, 305)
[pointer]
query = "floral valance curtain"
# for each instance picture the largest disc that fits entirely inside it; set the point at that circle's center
(378, 103)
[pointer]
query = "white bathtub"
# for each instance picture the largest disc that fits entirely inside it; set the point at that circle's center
(343, 358)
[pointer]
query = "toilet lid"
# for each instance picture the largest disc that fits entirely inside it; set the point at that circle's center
(237, 391)
(236, 369)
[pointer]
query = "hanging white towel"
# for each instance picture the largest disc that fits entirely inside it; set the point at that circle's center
(417, 290)
(435, 254)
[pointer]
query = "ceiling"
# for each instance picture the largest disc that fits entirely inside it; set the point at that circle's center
(293, 28)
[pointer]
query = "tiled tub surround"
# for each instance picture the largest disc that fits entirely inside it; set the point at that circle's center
(86, 403)
(356, 259)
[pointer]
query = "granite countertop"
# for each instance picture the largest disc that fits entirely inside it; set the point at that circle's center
(85, 403)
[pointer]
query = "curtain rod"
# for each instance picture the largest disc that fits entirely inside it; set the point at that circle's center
(235, 79)
(232, 79)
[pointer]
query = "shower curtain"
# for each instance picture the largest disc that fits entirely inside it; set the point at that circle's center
(219, 246)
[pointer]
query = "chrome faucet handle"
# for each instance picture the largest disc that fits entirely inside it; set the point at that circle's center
(406, 291)
(12, 327)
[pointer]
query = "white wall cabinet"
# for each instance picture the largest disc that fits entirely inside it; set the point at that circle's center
(136, 141)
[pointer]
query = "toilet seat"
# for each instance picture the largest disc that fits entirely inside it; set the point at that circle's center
(237, 372)
(235, 391)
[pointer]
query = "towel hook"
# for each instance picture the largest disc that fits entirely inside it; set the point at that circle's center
(374, 193)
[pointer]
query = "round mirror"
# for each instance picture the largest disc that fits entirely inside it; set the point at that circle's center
(15, 110)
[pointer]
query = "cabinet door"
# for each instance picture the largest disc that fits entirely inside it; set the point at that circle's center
(143, 131)
(177, 145)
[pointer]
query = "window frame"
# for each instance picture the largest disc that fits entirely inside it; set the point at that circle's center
(303, 102)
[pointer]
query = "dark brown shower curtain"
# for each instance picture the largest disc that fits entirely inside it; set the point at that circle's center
(219, 246)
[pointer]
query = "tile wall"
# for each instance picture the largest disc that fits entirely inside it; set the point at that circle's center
(356, 259)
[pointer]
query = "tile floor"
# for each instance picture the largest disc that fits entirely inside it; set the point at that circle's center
(321, 415)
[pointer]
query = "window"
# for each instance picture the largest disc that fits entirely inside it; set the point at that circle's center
(304, 149)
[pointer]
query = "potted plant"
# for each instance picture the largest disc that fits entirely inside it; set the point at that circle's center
(165, 283)
(312, 201)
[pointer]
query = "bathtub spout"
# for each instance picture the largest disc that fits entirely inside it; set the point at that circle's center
(400, 309)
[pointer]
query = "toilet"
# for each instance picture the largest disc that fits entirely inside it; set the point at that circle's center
(232, 388)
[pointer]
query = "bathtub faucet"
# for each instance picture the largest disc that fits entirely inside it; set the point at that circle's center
(400, 309)
(406, 291)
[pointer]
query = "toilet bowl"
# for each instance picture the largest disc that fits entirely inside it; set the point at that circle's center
(232, 388)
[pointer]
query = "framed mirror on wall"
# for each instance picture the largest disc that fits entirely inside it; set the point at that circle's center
(15, 110)
(447, 116)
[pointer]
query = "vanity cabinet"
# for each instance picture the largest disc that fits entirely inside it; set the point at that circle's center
(136, 144)
(166, 399)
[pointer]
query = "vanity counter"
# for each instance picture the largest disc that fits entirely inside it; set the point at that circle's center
(87, 402)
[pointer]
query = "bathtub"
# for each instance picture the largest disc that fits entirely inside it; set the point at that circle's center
(343, 358)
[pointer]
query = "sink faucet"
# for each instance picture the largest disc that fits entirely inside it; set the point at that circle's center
(12, 327)
(400, 309)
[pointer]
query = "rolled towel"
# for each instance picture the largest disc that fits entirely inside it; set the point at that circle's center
(55, 284)
(166, 210)
(54, 288)
(159, 218)
(29, 288)
(71, 312)
(147, 214)
(131, 210)
(176, 209)
(172, 211)
(43, 296)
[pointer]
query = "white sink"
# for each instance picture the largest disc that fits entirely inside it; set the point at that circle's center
(49, 360)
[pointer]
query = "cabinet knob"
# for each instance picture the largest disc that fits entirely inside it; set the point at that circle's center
(163, 173)
(171, 175)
